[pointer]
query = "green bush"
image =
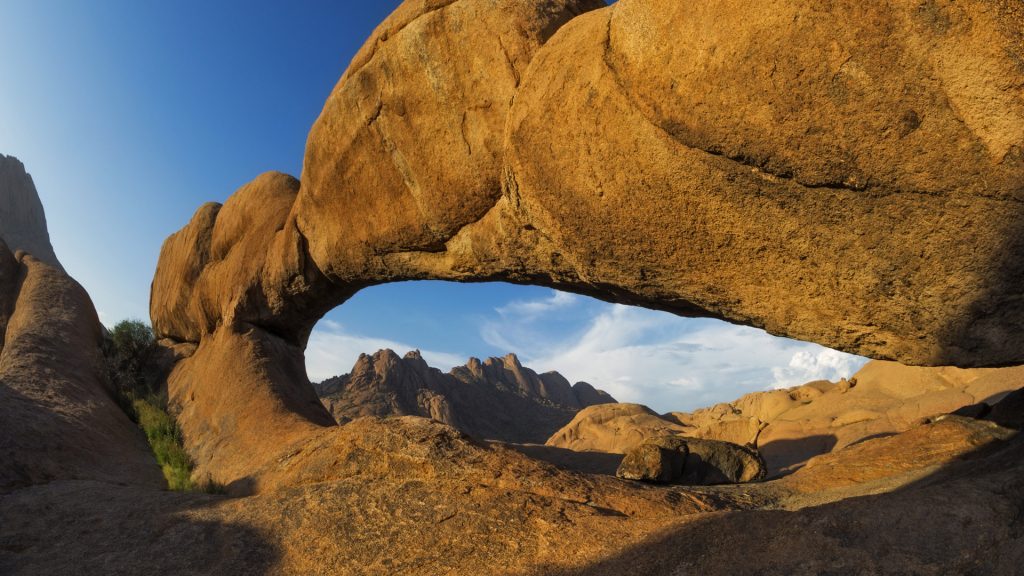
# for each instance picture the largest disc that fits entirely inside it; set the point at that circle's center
(165, 440)
(130, 352)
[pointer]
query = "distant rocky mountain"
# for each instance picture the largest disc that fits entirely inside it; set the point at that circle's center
(494, 399)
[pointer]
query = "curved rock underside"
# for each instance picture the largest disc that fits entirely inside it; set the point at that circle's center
(851, 176)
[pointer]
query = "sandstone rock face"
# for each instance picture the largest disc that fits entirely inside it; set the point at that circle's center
(652, 463)
(497, 399)
(57, 419)
(867, 200)
(862, 191)
(228, 283)
(442, 504)
(22, 220)
(408, 147)
(613, 428)
(883, 398)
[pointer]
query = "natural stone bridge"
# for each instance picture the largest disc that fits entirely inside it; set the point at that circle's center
(850, 175)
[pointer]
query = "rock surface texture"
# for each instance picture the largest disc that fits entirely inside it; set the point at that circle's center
(849, 175)
(789, 427)
(22, 220)
(57, 418)
(438, 503)
(497, 399)
(691, 461)
(653, 463)
(883, 398)
(613, 428)
(863, 190)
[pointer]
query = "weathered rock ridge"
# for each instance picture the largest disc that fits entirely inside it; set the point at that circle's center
(22, 220)
(57, 418)
(863, 191)
(496, 399)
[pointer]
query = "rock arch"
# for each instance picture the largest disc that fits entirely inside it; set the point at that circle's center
(853, 177)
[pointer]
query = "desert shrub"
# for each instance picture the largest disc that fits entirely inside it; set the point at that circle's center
(164, 438)
(130, 351)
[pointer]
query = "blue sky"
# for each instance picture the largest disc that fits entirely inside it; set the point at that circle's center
(131, 113)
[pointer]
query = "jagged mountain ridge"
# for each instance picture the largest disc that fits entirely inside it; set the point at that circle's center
(493, 399)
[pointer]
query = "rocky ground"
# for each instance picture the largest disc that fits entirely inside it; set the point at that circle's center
(409, 496)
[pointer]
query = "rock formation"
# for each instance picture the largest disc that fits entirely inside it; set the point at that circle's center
(613, 428)
(789, 427)
(650, 462)
(57, 419)
(22, 220)
(718, 462)
(859, 192)
(883, 398)
(691, 461)
(850, 176)
(437, 502)
(497, 399)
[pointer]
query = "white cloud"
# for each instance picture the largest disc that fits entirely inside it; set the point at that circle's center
(638, 355)
(528, 309)
(333, 351)
(821, 364)
(671, 363)
(527, 321)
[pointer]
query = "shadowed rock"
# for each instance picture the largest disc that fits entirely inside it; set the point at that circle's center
(653, 463)
(793, 425)
(717, 462)
(58, 420)
(497, 399)
(22, 220)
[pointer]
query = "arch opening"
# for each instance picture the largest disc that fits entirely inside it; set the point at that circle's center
(638, 355)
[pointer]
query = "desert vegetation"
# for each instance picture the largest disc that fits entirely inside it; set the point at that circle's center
(130, 356)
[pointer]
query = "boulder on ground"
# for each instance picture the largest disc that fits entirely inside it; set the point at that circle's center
(613, 428)
(692, 461)
(653, 463)
(717, 462)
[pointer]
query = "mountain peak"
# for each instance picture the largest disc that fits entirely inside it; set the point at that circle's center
(497, 399)
(22, 219)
